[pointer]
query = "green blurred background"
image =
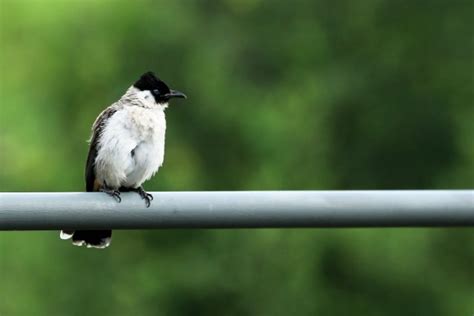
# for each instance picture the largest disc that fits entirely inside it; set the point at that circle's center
(281, 95)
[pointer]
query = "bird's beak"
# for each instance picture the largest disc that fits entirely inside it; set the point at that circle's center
(175, 94)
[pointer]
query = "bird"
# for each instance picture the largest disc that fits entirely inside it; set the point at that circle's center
(126, 148)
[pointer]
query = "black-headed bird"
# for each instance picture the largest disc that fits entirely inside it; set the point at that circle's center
(127, 147)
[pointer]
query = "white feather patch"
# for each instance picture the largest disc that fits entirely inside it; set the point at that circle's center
(64, 235)
(132, 145)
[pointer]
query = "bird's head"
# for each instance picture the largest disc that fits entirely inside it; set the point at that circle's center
(158, 89)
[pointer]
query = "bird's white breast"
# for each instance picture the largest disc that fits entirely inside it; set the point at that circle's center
(132, 146)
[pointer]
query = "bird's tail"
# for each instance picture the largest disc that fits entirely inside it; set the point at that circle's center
(90, 238)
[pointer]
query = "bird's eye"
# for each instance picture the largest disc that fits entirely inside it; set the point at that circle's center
(156, 92)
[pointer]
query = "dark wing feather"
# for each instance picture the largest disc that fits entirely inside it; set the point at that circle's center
(97, 129)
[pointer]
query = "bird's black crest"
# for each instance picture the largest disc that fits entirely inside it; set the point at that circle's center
(148, 81)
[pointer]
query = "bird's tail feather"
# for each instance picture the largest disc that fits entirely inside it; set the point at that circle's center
(90, 238)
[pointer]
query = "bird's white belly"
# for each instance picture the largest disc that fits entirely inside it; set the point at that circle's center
(145, 159)
(132, 147)
(147, 156)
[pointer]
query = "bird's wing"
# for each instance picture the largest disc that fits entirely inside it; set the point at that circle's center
(97, 128)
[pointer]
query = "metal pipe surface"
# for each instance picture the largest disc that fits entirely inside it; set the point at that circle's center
(240, 209)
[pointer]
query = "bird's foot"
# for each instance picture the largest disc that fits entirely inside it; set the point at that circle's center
(144, 195)
(113, 193)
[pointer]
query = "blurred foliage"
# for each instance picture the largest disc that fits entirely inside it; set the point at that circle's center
(282, 95)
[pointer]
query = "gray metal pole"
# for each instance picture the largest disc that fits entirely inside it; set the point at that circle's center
(52, 211)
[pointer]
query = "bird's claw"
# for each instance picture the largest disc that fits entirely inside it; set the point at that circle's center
(116, 195)
(113, 193)
(148, 197)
